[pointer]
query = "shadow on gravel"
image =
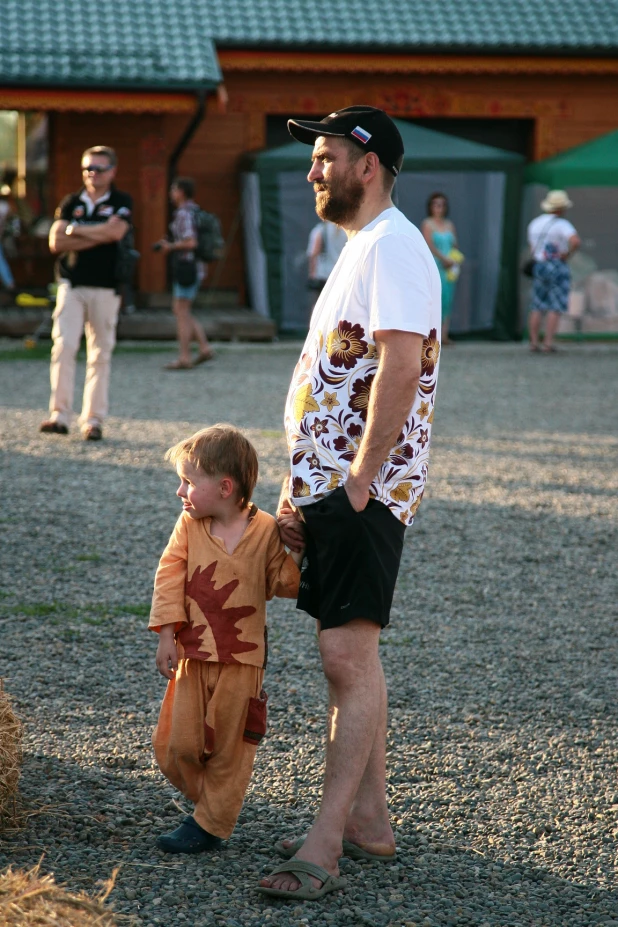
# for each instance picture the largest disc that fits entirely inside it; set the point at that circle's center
(88, 820)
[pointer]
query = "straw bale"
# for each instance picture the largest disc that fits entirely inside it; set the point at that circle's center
(11, 735)
(30, 899)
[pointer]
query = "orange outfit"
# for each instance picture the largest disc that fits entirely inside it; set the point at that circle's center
(214, 711)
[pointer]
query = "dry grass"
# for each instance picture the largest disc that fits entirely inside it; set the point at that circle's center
(11, 734)
(29, 899)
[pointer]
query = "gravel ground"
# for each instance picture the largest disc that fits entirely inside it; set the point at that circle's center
(501, 658)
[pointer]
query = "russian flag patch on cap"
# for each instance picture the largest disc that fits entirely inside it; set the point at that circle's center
(361, 135)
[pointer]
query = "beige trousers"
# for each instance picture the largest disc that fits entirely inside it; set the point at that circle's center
(211, 721)
(94, 309)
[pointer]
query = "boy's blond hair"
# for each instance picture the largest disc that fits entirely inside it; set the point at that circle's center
(221, 450)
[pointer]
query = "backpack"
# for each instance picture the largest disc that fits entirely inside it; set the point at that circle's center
(210, 241)
(126, 259)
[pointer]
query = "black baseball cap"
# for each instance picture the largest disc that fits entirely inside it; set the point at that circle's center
(369, 128)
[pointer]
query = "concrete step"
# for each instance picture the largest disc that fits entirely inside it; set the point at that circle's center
(205, 299)
(220, 324)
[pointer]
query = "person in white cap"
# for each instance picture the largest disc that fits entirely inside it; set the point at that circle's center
(552, 240)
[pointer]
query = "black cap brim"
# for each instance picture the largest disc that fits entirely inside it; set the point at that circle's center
(307, 132)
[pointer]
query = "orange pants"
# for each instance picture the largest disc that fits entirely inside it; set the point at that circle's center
(212, 718)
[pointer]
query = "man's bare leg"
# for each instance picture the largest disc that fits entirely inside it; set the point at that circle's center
(368, 824)
(357, 704)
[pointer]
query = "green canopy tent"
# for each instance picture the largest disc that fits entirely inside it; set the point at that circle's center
(594, 164)
(483, 185)
(589, 174)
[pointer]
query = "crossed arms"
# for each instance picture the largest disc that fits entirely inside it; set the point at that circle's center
(83, 237)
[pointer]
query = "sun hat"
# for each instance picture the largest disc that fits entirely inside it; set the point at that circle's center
(556, 199)
(369, 128)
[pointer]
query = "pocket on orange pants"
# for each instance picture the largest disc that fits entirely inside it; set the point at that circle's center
(255, 722)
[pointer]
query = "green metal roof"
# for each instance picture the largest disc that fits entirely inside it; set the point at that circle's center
(531, 26)
(171, 43)
(594, 164)
(149, 44)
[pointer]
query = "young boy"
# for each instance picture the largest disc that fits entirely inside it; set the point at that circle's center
(223, 561)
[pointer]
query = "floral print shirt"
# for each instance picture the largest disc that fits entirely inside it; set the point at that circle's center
(385, 278)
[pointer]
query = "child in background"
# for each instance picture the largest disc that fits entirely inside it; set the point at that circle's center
(223, 561)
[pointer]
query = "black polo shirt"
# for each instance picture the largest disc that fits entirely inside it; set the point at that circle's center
(94, 266)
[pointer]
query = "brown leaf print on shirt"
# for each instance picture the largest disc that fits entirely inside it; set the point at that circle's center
(430, 353)
(222, 621)
(401, 455)
(345, 345)
(299, 487)
(350, 443)
(348, 448)
(359, 400)
(190, 636)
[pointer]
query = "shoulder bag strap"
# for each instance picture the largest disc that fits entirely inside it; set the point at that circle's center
(543, 234)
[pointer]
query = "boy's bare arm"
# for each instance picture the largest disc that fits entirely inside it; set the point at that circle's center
(282, 568)
(297, 556)
(167, 652)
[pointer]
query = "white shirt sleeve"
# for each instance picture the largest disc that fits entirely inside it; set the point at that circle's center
(568, 230)
(398, 286)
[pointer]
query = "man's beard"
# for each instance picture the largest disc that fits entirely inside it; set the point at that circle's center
(341, 204)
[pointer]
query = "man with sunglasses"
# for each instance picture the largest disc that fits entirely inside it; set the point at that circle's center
(87, 228)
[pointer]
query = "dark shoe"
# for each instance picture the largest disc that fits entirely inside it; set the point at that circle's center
(93, 433)
(51, 427)
(189, 838)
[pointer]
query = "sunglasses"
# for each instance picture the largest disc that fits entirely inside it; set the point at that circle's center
(94, 169)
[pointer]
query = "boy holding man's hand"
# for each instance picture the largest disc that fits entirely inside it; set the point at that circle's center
(223, 561)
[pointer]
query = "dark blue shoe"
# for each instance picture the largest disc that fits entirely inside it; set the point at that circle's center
(189, 838)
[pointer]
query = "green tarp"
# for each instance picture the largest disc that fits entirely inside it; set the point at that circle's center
(425, 150)
(594, 164)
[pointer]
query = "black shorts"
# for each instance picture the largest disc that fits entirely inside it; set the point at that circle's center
(351, 561)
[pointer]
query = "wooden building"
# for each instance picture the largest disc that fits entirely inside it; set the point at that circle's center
(519, 77)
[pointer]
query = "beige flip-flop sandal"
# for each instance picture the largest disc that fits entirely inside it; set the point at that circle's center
(307, 890)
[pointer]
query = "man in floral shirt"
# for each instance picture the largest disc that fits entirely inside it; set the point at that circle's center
(358, 420)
